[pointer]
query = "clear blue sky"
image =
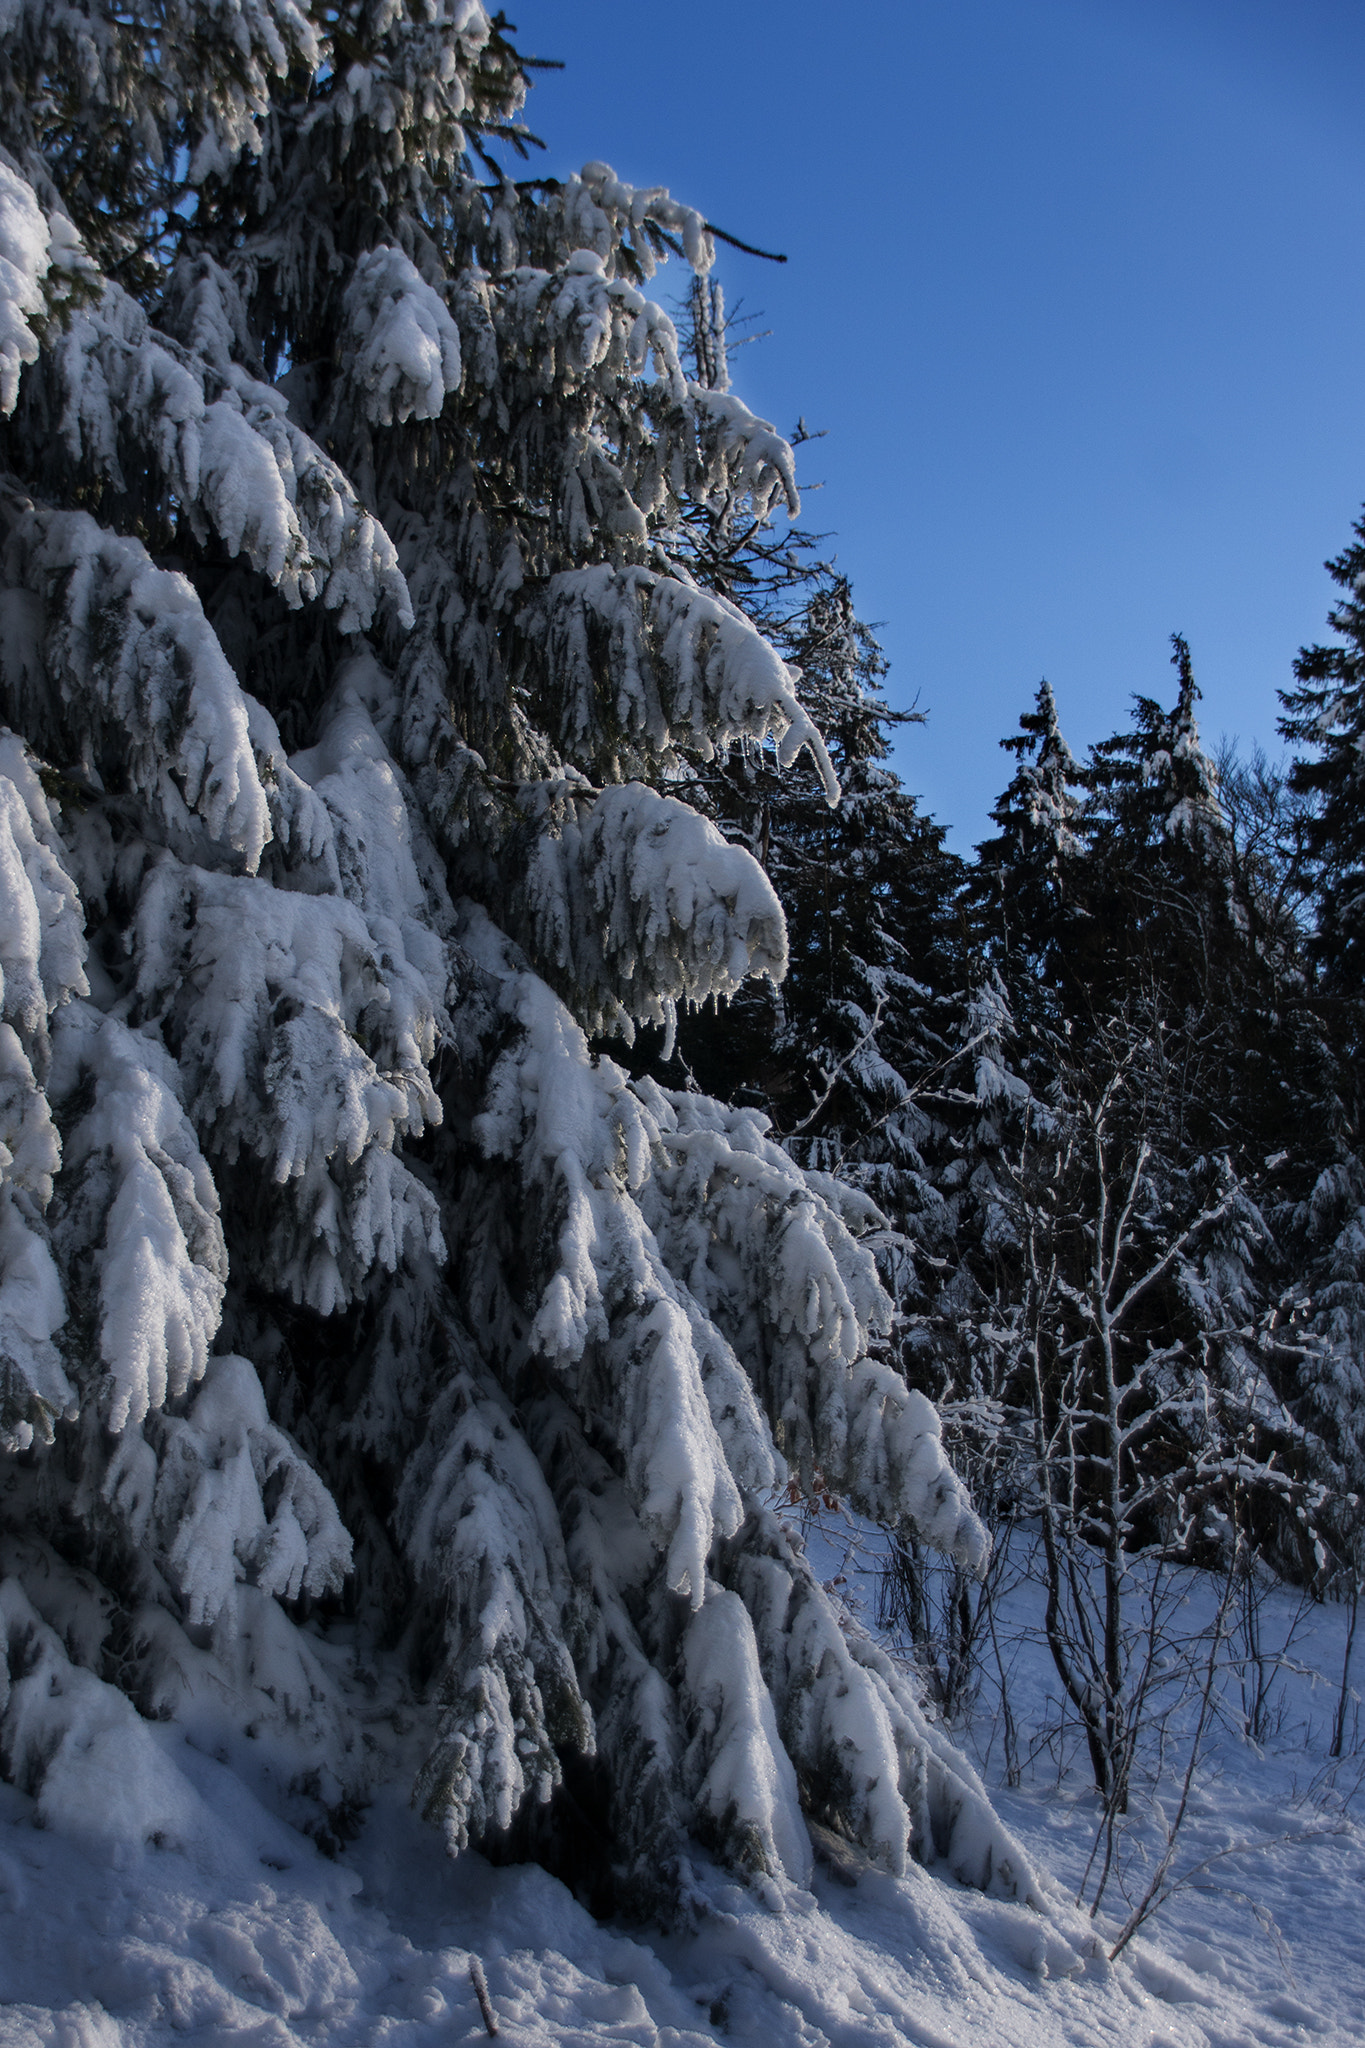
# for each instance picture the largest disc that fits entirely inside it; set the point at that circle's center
(1076, 289)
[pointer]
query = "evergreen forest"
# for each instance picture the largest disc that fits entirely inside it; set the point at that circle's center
(508, 1106)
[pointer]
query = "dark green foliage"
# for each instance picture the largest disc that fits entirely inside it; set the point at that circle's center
(1326, 713)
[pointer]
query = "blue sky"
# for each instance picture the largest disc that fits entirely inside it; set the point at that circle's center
(1075, 288)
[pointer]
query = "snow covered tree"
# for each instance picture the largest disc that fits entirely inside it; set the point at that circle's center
(1026, 880)
(1325, 1225)
(357, 658)
(1158, 859)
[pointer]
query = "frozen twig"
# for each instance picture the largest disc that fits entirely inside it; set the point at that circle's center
(1160, 1891)
(480, 1983)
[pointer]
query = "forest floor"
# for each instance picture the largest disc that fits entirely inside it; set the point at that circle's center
(165, 1900)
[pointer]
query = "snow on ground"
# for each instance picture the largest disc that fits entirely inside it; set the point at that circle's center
(165, 1901)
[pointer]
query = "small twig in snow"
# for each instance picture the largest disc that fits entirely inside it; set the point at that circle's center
(1187, 1878)
(480, 1983)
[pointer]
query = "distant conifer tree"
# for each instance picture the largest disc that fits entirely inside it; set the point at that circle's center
(1025, 885)
(1325, 714)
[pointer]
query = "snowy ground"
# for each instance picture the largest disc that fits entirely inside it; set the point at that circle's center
(161, 1900)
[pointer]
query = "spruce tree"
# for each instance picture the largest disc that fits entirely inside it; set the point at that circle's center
(1324, 715)
(1026, 885)
(1163, 917)
(1159, 855)
(358, 656)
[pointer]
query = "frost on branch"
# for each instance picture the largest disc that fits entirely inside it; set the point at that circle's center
(638, 904)
(42, 965)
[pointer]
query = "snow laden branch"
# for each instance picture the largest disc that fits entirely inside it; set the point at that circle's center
(638, 904)
(587, 326)
(606, 1309)
(657, 1263)
(234, 1502)
(647, 443)
(73, 54)
(597, 210)
(225, 451)
(269, 998)
(758, 1241)
(404, 348)
(113, 1228)
(31, 245)
(42, 964)
(305, 1019)
(479, 1522)
(137, 1222)
(111, 662)
(692, 675)
(853, 1727)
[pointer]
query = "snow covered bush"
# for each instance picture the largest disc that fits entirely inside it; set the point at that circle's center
(382, 1353)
